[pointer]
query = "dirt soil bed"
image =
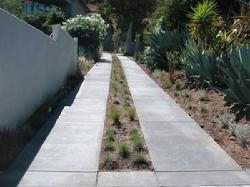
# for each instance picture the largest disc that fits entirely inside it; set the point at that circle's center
(123, 145)
(204, 111)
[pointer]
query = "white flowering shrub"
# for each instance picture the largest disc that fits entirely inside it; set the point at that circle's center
(90, 31)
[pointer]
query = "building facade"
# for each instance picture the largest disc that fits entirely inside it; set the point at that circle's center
(70, 7)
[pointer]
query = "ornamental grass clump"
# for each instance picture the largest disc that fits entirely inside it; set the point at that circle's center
(139, 158)
(131, 113)
(110, 135)
(124, 150)
(115, 114)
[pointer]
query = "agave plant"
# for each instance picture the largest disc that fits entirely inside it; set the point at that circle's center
(163, 42)
(204, 20)
(199, 66)
(237, 77)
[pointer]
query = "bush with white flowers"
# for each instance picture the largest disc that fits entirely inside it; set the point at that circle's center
(90, 31)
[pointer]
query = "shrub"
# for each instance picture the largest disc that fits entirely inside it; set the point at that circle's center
(131, 113)
(115, 114)
(204, 109)
(43, 20)
(149, 59)
(241, 131)
(138, 143)
(237, 78)
(89, 30)
(163, 42)
(110, 135)
(110, 161)
(173, 13)
(202, 95)
(114, 88)
(139, 158)
(134, 132)
(124, 150)
(224, 119)
(200, 66)
(109, 146)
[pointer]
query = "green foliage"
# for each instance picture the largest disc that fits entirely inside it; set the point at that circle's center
(115, 114)
(199, 66)
(202, 95)
(124, 150)
(204, 21)
(131, 113)
(161, 43)
(134, 132)
(15, 7)
(149, 59)
(110, 135)
(138, 143)
(237, 77)
(204, 109)
(241, 132)
(179, 85)
(122, 13)
(173, 13)
(110, 161)
(114, 88)
(139, 158)
(89, 30)
(224, 120)
(43, 20)
(109, 146)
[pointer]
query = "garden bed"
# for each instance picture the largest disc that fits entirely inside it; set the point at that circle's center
(209, 110)
(123, 145)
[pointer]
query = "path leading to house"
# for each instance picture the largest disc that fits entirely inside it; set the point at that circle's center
(69, 155)
(181, 152)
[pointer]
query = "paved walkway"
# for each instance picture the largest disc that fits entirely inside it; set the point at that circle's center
(181, 152)
(66, 150)
(69, 155)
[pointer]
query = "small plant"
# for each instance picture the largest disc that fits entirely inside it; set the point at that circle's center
(124, 150)
(156, 74)
(224, 119)
(204, 110)
(110, 135)
(134, 132)
(109, 146)
(126, 90)
(131, 113)
(202, 95)
(166, 83)
(114, 88)
(138, 143)
(241, 131)
(110, 161)
(176, 94)
(115, 114)
(178, 85)
(139, 158)
(126, 102)
(191, 107)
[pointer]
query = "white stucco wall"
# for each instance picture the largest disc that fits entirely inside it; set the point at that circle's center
(33, 67)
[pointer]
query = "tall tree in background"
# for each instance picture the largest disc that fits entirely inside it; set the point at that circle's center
(123, 12)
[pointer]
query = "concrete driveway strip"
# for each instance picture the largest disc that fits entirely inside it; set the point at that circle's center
(69, 153)
(181, 152)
